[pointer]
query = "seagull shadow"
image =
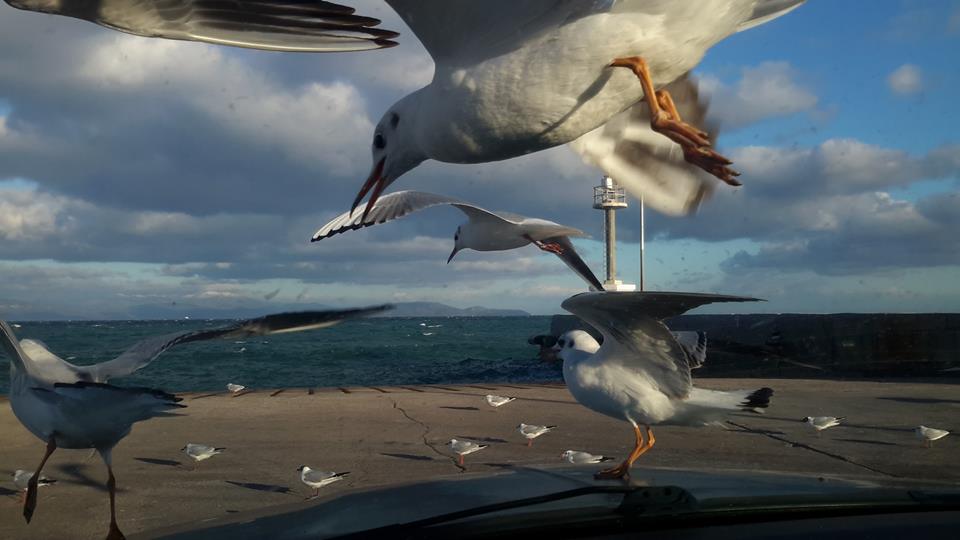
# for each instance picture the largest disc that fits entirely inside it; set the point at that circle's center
(865, 441)
(413, 457)
(154, 461)
(483, 439)
(462, 408)
(76, 475)
(924, 401)
(270, 488)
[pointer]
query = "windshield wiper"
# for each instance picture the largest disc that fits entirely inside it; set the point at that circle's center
(637, 499)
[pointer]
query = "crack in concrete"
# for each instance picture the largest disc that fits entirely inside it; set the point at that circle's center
(426, 431)
(805, 446)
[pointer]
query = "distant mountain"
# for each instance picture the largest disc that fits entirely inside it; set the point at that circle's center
(436, 309)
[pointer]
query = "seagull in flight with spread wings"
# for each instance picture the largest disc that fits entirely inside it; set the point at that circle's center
(641, 373)
(483, 231)
(510, 78)
(71, 406)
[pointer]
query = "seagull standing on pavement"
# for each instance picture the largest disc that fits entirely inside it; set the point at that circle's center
(71, 406)
(579, 458)
(200, 452)
(318, 479)
(820, 423)
(641, 373)
(531, 432)
(929, 434)
(462, 448)
(498, 401)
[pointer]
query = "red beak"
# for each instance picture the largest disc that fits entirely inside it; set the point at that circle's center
(375, 181)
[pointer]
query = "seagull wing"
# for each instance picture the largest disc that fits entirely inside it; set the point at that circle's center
(634, 334)
(566, 252)
(647, 164)
(461, 31)
(144, 352)
(388, 208)
(695, 345)
(278, 25)
(49, 367)
(767, 10)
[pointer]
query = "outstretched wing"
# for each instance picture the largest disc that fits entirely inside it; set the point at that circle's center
(144, 352)
(388, 208)
(633, 332)
(563, 248)
(646, 163)
(277, 25)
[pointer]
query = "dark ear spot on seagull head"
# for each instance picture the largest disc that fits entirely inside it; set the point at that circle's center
(395, 151)
(300, 468)
(805, 419)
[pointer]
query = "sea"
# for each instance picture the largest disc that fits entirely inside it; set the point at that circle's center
(364, 352)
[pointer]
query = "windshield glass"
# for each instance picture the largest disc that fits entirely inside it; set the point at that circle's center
(171, 175)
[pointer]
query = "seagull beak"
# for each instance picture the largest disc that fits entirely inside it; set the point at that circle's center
(377, 182)
(453, 253)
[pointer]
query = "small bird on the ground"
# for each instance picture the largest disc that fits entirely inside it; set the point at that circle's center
(579, 458)
(318, 479)
(462, 448)
(498, 401)
(821, 423)
(235, 388)
(21, 479)
(929, 434)
(200, 452)
(531, 432)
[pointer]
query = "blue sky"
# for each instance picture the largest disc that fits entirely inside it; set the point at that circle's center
(143, 177)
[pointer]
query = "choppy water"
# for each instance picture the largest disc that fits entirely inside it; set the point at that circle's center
(388, 351)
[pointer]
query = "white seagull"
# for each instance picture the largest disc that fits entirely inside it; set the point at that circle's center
(929, 434)
(510, 78)
(21, 479)
(200, 452)
(641, 373)
(820, 423)
(462, 448)
(318, 479)
(498, 401)
(483, 231)
(579, 458)
(70, 406)
(235, 388)
(531, 432)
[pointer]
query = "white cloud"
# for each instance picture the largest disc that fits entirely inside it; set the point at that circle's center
(768, 90)
(905, 80)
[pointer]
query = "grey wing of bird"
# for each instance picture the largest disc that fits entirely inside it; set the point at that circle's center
(647, 164)
(564, 249)
(765, 11)
(694, 344)
(49, 367)
(633, 332)
(278, 25)
(388, 208)
(144, 352)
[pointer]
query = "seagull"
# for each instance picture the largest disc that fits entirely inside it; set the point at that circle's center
(641, 373)
(235, 388)
(821, 423)
(70, 406)
(498, 401)
(21, 479)
(929, 434)
(531, 432)
(579, 458)
(318, 479)
(462, 448)
(483, 231)
(200, 452)
(510, 78)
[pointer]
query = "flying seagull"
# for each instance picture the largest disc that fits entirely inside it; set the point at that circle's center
(69, 406)
(510, 78)
(641, 373)
(483, 231)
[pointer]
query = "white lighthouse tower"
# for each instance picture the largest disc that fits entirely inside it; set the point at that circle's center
(610, 197)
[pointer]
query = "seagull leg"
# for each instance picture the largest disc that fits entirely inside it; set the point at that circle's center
(460, 459)
(529, 443)
(114, 533)
(665, 119)
(624, 468)
(30, 499)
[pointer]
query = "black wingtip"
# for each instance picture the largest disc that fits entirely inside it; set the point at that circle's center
(759, 399)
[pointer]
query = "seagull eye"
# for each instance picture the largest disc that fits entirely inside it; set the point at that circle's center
(379, 142)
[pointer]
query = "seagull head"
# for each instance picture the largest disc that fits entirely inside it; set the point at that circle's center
(395, 151)
(566, 455)
(303, 468)
(807, 419)
(573, 344)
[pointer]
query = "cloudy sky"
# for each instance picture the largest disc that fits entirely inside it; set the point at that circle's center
(140, 174)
